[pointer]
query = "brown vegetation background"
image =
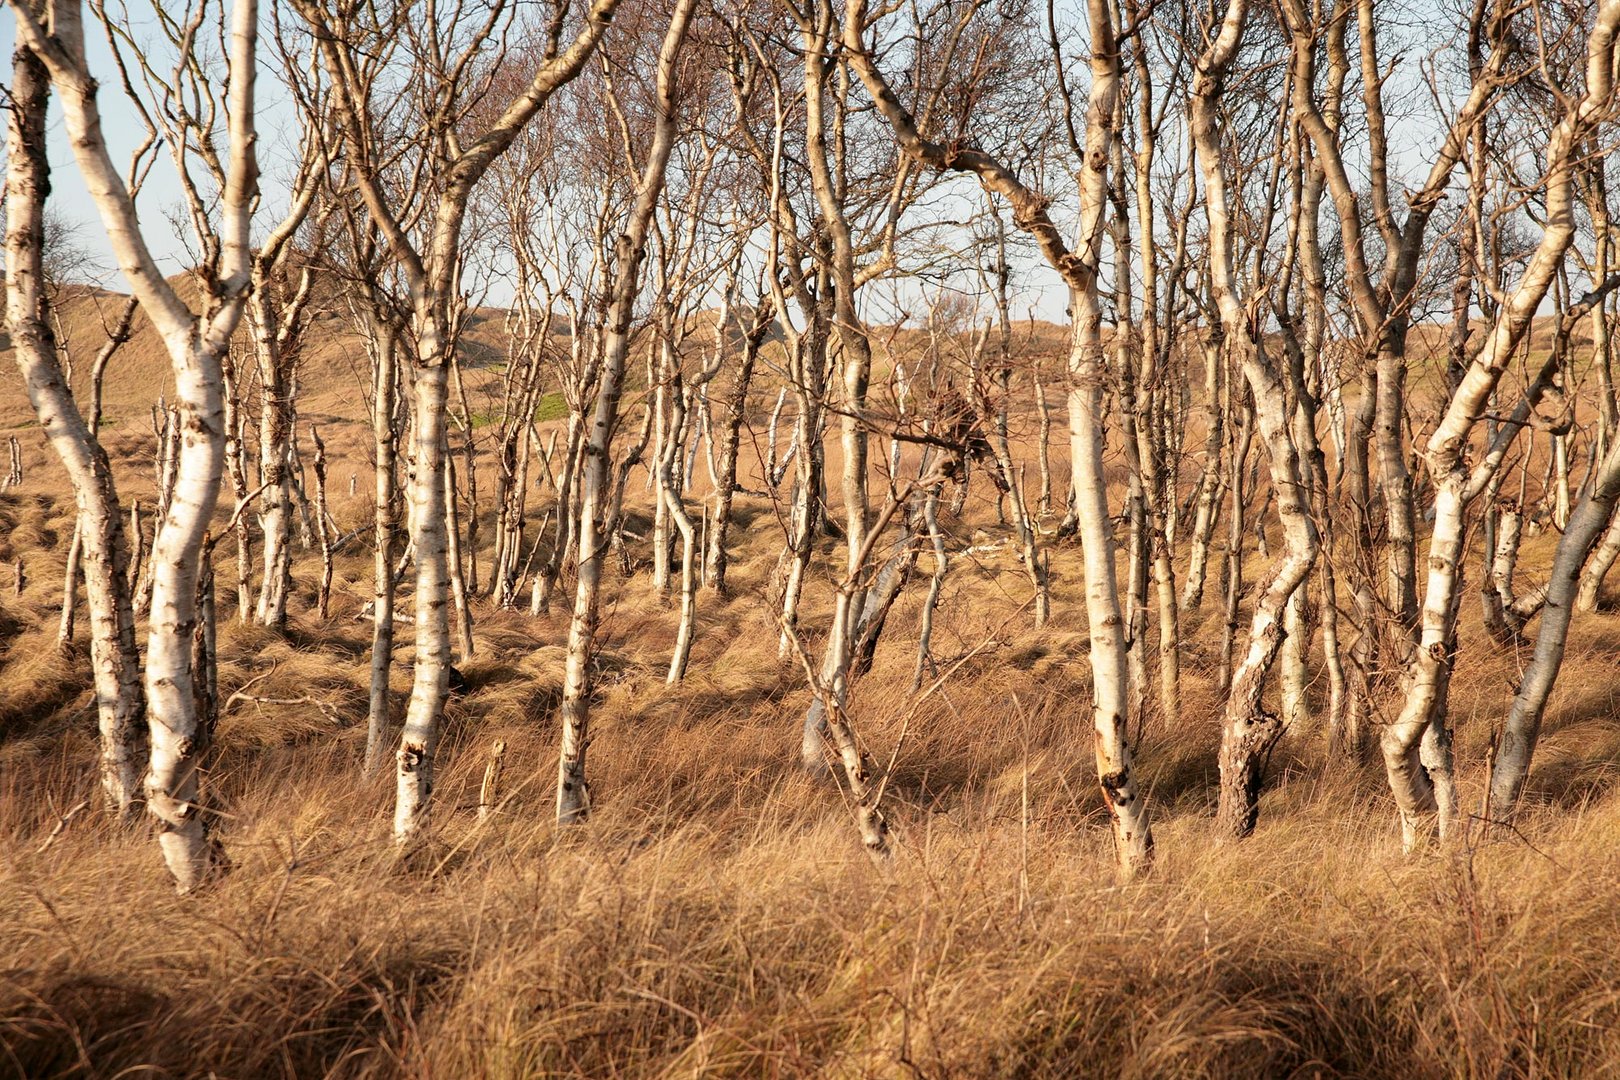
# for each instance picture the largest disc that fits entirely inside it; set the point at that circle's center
(716, 916)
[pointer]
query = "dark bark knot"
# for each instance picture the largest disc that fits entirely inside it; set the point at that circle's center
(1116, 785)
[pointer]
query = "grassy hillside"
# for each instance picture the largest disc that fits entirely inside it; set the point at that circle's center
(716, 917)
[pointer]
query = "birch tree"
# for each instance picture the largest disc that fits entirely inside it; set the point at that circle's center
(195, 342)
(99, 542)
(1079, 269)
(1249, 731)
(1382, 298)
(447, 65)
(573, 798)
(1416, 746)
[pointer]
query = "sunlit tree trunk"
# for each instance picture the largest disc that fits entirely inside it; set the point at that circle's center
(194, 344)
(419, 739)
(99, 536)
(275, 442)
(1087, 377)
(1249, 731)
(1523, 726)
(1416, 745)
(573, 799)
(429, 257)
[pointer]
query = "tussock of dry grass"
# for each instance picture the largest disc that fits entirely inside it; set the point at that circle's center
(746, 937)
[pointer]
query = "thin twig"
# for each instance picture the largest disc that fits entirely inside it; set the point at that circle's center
(61, 825)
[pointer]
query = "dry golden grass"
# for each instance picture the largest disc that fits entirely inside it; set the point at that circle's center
(716, 917)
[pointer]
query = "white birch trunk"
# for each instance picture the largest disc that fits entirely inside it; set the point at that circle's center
(573, 796)
(1249, 731)
(1523, 726)
(99, 537)
(275, 471)
(1127, 808)
(419, 741)
(195, 345)
(1421, 782)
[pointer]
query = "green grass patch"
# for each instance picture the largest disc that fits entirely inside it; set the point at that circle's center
(552, 406)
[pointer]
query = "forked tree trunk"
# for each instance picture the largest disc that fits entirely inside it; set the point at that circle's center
(1417, 745)
(432, 273)
(195, 346)
(817, 33)
(1127, 807)
(172, 783)
(1249, 731)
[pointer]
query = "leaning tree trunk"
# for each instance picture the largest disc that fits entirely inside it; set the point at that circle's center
(99, 534)
(573, 798)
(195, 346)
(1417, 745)
(1523, 725)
